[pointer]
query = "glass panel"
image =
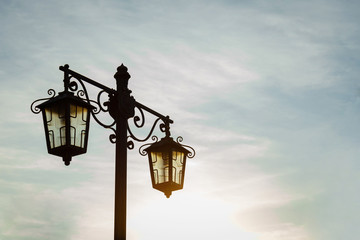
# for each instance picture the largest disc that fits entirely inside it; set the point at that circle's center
(177, 168)
(51, 139)
(160, 162)
(63, 136)
(78, 119)
(56, 123)
(72, 135)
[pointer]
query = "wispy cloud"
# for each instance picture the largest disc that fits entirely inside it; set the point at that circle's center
(265, 92)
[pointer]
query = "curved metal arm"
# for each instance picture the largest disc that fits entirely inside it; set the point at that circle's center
(78, 76)
(141, 106)
(147, 137)
(139, 122)
(100, 106)
(73, 86)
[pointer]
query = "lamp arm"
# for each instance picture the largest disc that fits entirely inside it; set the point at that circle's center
(78, 76)
(147, 137)
(139, 121)
(73, 86)
(99, 108)
(162, 117)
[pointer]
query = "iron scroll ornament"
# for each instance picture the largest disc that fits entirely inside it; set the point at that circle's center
(125, 101)
(33, 106)
(72, 86)
(72, 80)
(179, 140)
(99, 106)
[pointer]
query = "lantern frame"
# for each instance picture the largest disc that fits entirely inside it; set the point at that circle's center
(175, 153)
(62, 104)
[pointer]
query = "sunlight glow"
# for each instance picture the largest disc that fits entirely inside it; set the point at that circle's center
(187, 216)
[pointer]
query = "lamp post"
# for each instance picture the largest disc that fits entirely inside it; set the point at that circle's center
(66, 120)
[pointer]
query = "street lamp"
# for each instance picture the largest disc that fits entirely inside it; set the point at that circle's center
(167, 161)
(66, 120)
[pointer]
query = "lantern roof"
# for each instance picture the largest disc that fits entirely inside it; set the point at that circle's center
(166, 144)
(65, 97)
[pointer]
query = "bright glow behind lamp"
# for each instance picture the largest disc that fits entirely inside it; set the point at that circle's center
(66, 123)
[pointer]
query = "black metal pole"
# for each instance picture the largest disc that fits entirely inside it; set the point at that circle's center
(120, 179)
(123, 108)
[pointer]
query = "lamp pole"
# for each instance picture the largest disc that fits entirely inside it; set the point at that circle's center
(121, 118)
(62, 135)
(120, 181)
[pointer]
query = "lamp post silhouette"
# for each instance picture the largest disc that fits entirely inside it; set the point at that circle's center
(66, 119)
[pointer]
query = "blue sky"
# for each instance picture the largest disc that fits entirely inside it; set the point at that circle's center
(267, 92)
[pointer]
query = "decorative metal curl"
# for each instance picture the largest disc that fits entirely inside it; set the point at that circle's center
(103, 106)
(73, 86)
(141, 149)
(139, 122)
(112, 138)
(130, 145)
(191, 153)
(35, 109)
(163, 127)
(148, 136)
(83, 95)
(99, 107)
(179, 139)
(80, 93)
(141, 119)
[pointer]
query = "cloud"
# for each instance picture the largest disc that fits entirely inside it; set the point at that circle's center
(31, 212)
(263, 91)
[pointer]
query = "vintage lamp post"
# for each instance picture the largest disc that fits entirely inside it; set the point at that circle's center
(66, 120)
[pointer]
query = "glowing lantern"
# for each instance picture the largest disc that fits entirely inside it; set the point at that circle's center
(167, 160)
(66, 122)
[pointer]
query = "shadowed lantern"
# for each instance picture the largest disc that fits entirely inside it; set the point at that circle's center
(66, 122)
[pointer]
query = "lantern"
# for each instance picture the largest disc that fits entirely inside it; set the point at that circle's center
(167, 160)
(66, 122)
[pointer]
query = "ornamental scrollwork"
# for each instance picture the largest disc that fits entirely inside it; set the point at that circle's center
(191, 150)
(139, 122)
(118, 103)
(98, 104)
(141, 148)
(34, 107)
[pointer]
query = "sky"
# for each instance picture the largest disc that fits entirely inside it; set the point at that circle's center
(266, 92)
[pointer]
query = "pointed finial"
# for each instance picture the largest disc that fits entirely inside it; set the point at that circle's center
(122, 77)
(122, 68)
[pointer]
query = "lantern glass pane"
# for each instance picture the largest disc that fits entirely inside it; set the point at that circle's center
(78, 122)
(177, 167)
(160, 162)
(55, 120)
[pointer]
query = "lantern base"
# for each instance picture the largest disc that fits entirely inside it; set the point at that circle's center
(67, 160)
(167, 194)
(167, 188)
